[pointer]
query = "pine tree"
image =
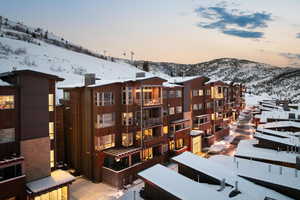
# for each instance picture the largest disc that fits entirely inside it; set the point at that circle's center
(146, 66)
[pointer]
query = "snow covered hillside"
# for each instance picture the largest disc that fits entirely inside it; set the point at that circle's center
(259, 78)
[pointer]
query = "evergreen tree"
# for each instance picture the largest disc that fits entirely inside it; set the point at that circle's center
(146, 66)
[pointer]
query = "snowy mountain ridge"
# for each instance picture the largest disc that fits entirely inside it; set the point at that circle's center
(260, 78)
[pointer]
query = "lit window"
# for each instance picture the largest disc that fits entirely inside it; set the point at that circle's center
(127, 139)
(127, 119)
(52, 158)
(148, 154)
(200, 92)
(165, 129)
(172, 145)
(138, 135)
(104, 142)
(179, 143)
(51, 102)
(51, 130)
(148, 133)
(7, 102)
(171, 111)
(7, 135)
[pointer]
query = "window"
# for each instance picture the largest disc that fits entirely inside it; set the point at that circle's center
(208, 105)
(138, 135)
(127, 119)
(172, 93)
(51, 102)
(67, 95)
(179, 109)
(292, 116)
(200, 106)
(164, 148)
(165, 129)
(148, 133)
(58, 194)
(195, 106)
(207, 92)
(171, 111)
(51, 130)
(179, 143)
(127, 97)
(147, 154)
(127, 139)
(7, 135)
(52, 158)
(178, 93)
(200, 92)
(165, 94)
(7, 102)
(195, 93)
(172, 145)
(105, 120)
(219, 90)
(104, 142)
(104, 98)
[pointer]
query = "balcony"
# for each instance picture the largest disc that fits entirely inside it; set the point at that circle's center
(150, 102)
(147, 123)
(120, 178)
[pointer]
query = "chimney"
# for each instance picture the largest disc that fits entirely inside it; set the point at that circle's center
(89, 79)
(286, 105)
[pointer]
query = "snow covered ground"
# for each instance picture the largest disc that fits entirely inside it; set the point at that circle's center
(252, 100)
(59, 61)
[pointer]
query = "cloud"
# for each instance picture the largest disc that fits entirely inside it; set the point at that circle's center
(298, 35)
(243, 34)
(233, 21)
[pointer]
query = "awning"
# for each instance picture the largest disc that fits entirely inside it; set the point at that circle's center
(196, 132)
(56, 179)
(121, 152)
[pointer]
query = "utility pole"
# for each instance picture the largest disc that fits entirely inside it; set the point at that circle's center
(132, 54)
(0, 22)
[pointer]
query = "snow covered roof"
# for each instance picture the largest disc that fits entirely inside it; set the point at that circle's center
(281, 124)
(178, 185)
(180, 79)
(219, 171)
(257, 169)
(246, 149)
(196, 132)
(285, 134)
(291, 141)
(278, 114)
(3, 83)
(104, 82)
(57, 178)
(168, 84)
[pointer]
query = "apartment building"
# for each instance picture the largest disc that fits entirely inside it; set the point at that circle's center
(115, 128)
(27, 138)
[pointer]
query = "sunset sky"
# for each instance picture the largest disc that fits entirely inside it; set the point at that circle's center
(183, 31)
